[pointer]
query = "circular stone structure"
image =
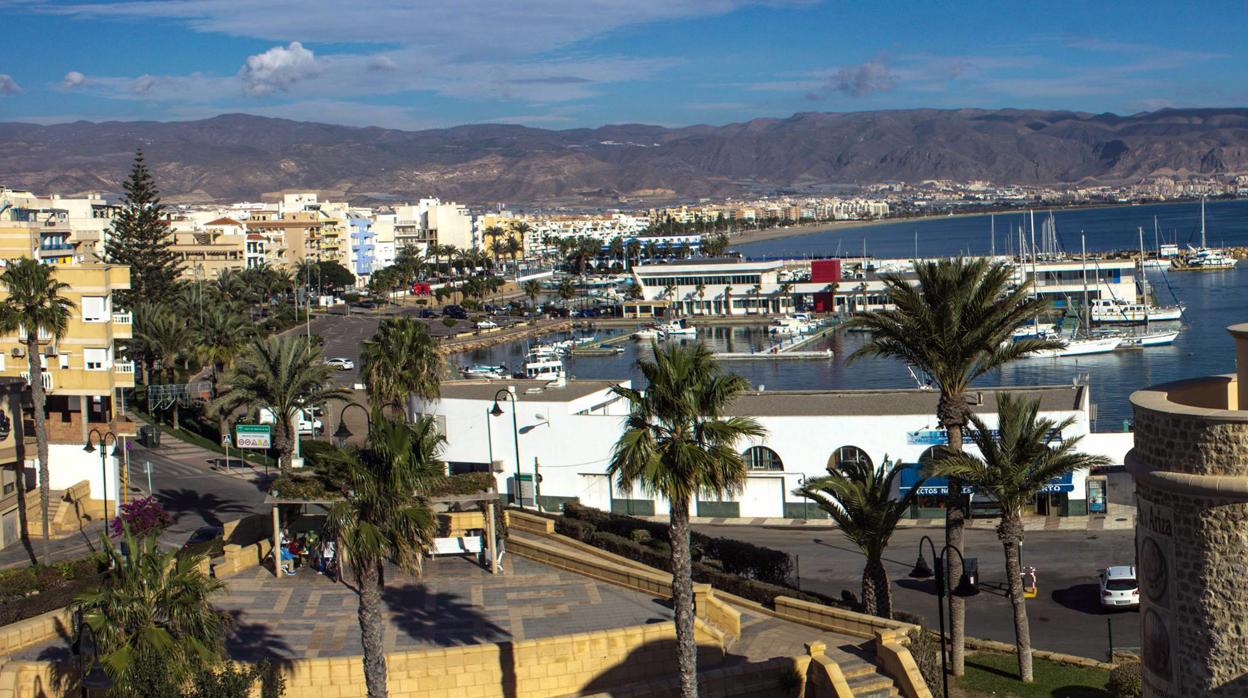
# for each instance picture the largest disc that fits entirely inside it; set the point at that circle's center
(1190, 465)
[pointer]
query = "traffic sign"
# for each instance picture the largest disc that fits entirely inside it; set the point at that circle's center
(254, 435)
(226, 442)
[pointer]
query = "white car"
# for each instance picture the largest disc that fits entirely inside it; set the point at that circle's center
(1119, 588)
(487, 325)
(308, 422)
(341, 363)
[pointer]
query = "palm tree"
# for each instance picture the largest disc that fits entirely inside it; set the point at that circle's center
(153, 605)
(858, 497)
(757, 291)
(401, 360)
(170, 338)
(222, 335)
(283, 375)
(566, 289)
(383, 518)
(532, 288)
(701, 291)
(728, 300)
(34, 306)
(492, 233)
(956, 324)
(1017, 462)
(678, 442)
(786, 288)
(520, 231)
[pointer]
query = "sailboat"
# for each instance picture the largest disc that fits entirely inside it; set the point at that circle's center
(1086, 344)
(1117, 310)
(1203, 258)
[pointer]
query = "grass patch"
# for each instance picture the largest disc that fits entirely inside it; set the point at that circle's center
(204, 442)
(990, 674)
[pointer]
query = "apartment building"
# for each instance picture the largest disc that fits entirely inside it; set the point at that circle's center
(217, 246)
(16, 446)
(293, 237)
(83, 377)
(430, 222)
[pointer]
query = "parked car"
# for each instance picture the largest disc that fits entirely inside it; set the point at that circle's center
(427, 313)
(455, 311)
(487, 325)
(341, 363)
(1119, 588)
(205, 540)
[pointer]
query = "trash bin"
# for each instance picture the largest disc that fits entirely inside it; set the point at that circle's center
(154, 436)
(971, 569)
(145, 436)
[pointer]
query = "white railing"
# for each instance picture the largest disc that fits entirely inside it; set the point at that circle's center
(125, 318)
(47, 379)
(126, 367)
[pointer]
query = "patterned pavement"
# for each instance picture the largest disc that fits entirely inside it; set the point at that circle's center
(456, 603)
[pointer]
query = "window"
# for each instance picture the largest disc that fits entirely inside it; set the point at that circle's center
(95, 359)
(94, 309)
(848, 456)
(762, 458)
(64, 360)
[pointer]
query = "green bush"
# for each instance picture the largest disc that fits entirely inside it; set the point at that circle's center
(1125, 681)
(462, 484)
(29, 591)
(640, 535)
(749, 560)
(574, 528)
(448, 321)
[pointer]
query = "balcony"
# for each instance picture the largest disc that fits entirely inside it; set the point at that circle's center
(126, 318)
(47, 379)
(123, 367)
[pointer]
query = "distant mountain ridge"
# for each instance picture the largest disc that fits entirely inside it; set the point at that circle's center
(238, 156)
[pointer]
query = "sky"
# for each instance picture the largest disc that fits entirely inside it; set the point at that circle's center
(414, 64)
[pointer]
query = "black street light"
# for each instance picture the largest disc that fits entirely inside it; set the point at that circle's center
(497, 411)
(94, 678)
(103, 439)
(966, 587)
(342, 433)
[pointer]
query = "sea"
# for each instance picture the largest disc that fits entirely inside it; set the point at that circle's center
(1214, 299)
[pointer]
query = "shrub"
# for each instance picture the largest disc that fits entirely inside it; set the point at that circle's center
(463, 483)
(574, 528)
(1125, 681)
(641, 536)
(448, 321)
(143, 516)
(749, 560)
(29, 591)
(925, 648)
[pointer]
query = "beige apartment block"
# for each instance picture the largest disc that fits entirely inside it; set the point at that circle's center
(296, 235)
(217, 246)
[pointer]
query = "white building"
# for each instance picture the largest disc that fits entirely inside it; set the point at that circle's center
(715, 287)
(431, 221)
(566, 433)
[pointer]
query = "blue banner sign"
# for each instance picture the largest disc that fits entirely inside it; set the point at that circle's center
(939, 437)
(938, 486)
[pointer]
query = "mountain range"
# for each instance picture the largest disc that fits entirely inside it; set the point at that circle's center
(239, 157)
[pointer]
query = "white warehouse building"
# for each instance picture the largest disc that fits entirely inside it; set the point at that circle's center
(565, 433)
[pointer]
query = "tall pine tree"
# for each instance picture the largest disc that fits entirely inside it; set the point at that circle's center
(140, 238)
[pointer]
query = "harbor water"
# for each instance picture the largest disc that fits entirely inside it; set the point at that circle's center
(1214, 300)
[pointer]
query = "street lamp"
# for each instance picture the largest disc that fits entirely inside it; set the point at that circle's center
(965, 588)
(89, 448)
(94, 678)
(342, 433)
(497, 411)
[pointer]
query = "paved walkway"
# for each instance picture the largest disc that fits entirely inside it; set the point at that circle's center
(1121, 517)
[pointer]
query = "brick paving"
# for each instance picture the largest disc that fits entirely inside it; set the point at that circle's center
(456, 603)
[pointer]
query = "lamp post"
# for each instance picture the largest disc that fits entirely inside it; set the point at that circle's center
(497, 411)
(965, 588)
(94, 678)
(90, 448)
(342, 433)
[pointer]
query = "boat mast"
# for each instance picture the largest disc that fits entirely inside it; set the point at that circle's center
(1034, 281)
(992, 220)
(1143, 276)
(1083, 253)
(1202, 223)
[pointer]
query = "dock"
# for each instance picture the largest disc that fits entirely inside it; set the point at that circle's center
(794, 349)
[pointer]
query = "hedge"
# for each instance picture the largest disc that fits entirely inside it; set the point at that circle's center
(30, 591)
(579, 524)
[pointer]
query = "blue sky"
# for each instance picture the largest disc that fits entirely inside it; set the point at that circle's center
(574, 63)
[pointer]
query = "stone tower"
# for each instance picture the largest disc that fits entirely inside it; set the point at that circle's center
(1190, 465)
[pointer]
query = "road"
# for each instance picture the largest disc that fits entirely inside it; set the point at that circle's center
(1066, 616)
(194, 495)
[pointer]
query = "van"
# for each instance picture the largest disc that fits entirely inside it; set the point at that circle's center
(308, 423)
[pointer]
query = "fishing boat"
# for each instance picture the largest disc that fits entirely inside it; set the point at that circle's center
(542, 364)
(483, 371)
(1203, 258)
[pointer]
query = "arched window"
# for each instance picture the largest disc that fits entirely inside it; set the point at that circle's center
(847, 455)
(762, 458)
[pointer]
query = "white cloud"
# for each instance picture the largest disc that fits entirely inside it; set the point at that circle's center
(8, 86)
(73, 79)
(277, 69)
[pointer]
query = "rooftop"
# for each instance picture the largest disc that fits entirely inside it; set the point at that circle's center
(526, 390)
(813, 403)
(703, 264)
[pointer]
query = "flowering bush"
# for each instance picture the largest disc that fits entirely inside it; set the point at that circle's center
(144, 516)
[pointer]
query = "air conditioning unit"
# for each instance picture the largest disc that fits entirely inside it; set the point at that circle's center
(18, 352)
(49, 350)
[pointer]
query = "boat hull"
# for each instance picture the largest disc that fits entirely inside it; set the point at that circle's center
(1082, 347)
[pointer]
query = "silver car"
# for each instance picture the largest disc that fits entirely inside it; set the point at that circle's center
(341, 363)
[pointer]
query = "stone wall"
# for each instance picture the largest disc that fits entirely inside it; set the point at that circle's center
(1190, 464)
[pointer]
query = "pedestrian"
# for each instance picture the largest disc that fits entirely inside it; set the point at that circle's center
(327, 559)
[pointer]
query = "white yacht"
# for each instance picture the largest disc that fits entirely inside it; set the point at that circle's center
(650, 332)
(1151, 339)
(798, 323)
(541, 363)
(1203, 258)
(1081, 347)
(677, 328)
(481, 371)
(1105, 310)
